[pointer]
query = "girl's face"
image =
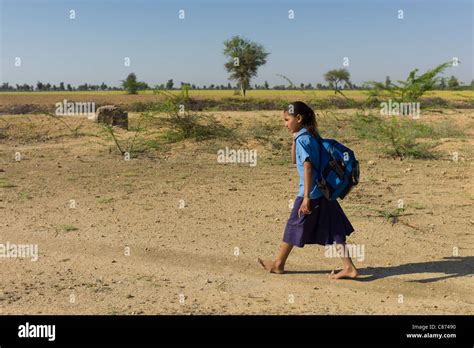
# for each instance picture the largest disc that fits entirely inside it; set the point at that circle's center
(293, 123)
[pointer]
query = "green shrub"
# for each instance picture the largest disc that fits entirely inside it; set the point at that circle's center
(396, 136)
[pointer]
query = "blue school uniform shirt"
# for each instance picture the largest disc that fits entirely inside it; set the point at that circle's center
(307, 149)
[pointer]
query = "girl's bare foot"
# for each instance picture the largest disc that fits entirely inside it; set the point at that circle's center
(350, 273)
(271, 266)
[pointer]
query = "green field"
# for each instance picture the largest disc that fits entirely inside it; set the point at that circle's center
(258, 94)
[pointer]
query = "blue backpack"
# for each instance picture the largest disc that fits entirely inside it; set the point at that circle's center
(339, 169)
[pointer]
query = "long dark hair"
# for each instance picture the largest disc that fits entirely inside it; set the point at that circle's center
(308, 115)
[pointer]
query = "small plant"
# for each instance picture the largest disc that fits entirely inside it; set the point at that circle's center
(411, 89)
(127, 146)
(274, 137)
(447, 129)
(105, 200)
(152, 144)
(333, 125)
(3, 130)
(24, 196)
(74, 130)
(69, 228)
(262, 131)
(391, 215)
(199, 127)
(397, 135)
(4, 183)
(185, 124)
(402, 141)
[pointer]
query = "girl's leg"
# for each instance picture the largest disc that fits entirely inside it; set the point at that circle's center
(278, 265)
(348, 270)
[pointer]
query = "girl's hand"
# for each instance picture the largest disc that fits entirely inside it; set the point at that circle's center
(305, 207)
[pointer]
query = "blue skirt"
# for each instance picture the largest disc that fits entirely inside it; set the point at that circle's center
(326, 224)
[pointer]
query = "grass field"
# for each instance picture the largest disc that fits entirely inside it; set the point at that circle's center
(219, 100)
(260, 94)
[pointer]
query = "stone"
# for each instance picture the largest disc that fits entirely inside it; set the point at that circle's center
(111, 115)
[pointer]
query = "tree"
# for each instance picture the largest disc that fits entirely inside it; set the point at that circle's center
(388, 82)
(453, 82)
(142, 86)
(169, 84)
(69, 87)
(266, 85)
(130, 84)
(245, 57)
(39, 86)
(103, 86)
(442, 83)
(336, 76)
(23, 87)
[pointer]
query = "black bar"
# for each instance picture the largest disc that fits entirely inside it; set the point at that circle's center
(242, 330)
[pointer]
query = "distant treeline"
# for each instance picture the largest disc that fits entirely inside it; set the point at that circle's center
(445, 84)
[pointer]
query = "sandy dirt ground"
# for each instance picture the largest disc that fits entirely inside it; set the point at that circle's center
(180, 233)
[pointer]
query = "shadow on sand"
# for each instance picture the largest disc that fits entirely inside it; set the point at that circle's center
(451, 267)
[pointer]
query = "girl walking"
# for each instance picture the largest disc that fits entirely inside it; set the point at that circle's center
(314, 219)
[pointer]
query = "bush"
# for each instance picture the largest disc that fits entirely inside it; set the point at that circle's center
(185, 124)
(194, 126)
(396, 135)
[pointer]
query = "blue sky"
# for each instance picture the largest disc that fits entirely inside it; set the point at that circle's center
(92, 47)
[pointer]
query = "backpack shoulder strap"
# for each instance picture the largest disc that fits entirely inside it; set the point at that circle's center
(301, 135)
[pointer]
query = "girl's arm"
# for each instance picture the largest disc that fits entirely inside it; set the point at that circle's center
(293, 153)
(305, 205)
(307, 178)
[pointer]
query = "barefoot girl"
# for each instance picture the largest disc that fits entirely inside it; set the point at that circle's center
(314, 219)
